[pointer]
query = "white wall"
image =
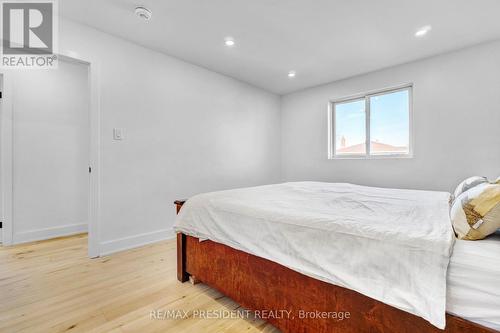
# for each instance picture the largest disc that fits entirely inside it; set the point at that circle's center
(456, 124)
(51, 152)
(188, 130)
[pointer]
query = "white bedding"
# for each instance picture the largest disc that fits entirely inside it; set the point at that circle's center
(391, 245)
(474, 281)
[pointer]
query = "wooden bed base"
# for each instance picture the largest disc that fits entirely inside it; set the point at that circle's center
(292, 301)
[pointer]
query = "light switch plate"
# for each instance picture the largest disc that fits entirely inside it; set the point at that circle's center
(118, 133)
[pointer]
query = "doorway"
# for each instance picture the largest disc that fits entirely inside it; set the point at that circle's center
(50, 192)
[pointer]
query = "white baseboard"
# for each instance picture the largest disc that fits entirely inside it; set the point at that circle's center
(48, 233)
(131, 242)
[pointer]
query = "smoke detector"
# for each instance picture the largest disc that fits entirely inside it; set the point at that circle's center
(143, 13)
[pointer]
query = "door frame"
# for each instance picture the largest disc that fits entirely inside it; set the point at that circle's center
(6, 158)
(6, 151)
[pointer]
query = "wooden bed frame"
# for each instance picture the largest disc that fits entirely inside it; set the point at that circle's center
(262, 285)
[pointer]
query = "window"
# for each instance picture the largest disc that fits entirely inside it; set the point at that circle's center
(372, 125)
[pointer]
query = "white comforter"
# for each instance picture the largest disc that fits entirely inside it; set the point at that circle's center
(391, 245)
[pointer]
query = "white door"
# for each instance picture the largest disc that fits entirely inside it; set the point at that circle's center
(50, 152)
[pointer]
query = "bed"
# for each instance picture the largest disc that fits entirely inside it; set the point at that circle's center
(473, 281)
(380, 255)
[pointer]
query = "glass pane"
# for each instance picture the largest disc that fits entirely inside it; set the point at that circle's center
(350, 128)
(390, 123)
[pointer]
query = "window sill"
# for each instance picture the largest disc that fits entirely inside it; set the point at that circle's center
(371, 157)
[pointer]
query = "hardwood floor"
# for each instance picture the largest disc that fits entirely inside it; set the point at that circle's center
(52, 286)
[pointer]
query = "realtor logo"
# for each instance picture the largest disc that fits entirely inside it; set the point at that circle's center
(28, 34)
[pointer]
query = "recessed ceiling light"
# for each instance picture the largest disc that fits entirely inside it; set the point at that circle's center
(229, 41)
(423, 31)
(143, 13)
(292, 74)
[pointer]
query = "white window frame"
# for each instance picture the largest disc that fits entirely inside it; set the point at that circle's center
(366, 96)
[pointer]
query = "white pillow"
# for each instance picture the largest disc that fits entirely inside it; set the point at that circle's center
(468, 184)
(475, 213)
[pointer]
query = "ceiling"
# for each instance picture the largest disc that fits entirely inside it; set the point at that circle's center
(322, 40)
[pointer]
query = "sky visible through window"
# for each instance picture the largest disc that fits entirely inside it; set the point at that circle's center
(389, 124)
(350, 121)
